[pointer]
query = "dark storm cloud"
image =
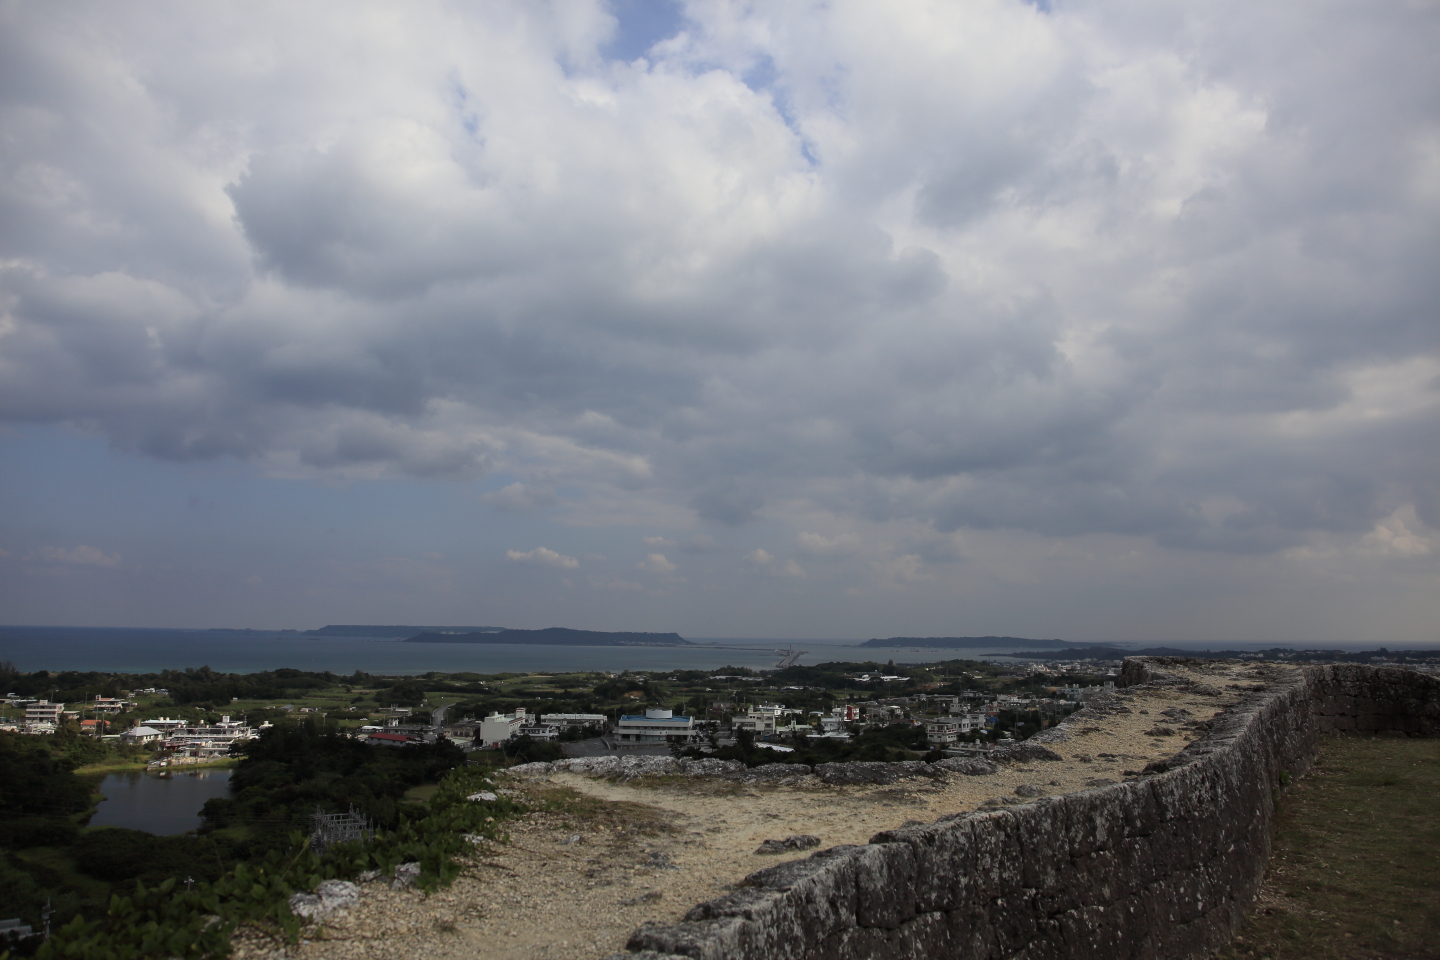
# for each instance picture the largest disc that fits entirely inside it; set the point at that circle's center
(991, 267)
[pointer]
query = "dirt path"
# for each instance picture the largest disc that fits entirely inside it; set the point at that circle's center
(599, 857)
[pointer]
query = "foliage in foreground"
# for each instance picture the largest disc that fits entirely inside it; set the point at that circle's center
(196, 923)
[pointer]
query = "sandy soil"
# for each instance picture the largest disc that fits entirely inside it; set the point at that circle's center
(601, 857)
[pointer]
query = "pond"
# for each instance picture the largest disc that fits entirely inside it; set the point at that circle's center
(160, 803)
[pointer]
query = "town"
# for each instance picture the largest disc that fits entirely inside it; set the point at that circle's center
(955, 707)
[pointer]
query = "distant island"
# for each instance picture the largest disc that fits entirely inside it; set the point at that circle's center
(942, 643)
(395, 631)
(558, 636)
(1382, 655)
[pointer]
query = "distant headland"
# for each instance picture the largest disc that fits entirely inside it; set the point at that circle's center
(944, 643)
(555, 636)
(396, 631)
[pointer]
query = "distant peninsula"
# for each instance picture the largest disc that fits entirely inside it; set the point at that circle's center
(557, 636)
(942, 643)
(383, 631)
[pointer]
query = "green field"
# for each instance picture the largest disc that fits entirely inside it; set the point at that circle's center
(1355, 874)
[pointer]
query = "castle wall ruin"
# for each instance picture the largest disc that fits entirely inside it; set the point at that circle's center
(1159, 867)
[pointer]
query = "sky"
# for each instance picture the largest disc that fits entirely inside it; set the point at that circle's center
(1088, 319)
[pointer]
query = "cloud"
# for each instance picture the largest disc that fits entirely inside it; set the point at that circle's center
(1393, 536)
(656, 563)
(542, 555)
(959, 267)
(81, 556)
(819, 547)
(907, 569)
(727, 503)
(764, 561)
(657, 542)
(520, 498)
(699, 543)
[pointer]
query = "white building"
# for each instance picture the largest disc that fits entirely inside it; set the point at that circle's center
(499, 727)
(971, 722)
(207, 741)
(657, 726)
(539, 731)
(758, 722)
(111, 704)
(940, 732)
(142, 735)
(1080, 693)
(596, 720)
(42, 716)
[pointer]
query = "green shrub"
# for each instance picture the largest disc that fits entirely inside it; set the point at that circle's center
(26, 832)
(195, 924)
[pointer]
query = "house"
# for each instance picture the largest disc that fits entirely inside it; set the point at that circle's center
(111, 704)
(971, 722)
(657, 726)
(142, 734)
(941, 732)
(392, 739)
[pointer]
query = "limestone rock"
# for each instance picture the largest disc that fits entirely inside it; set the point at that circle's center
(330, 896)
(405, 876)
(803, 841)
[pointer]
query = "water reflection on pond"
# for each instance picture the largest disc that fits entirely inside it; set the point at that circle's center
(159, 803)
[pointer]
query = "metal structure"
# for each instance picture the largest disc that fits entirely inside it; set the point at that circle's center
(332, 828)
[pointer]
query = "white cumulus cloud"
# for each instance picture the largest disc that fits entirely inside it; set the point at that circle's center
(542, 555)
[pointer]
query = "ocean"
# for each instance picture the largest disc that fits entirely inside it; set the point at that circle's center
(127, 650)
(134, 650)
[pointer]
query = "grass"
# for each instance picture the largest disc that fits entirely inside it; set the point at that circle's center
(423, 792)
(583, 811)
(121, 764)
(1355, 874)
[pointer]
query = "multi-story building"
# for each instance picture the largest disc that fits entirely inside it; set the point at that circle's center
(538, 731)
(111, 704)
(657, 726)
(942, 732)
(42, 716)
(208, 741)
(759, 722)
(499, 727)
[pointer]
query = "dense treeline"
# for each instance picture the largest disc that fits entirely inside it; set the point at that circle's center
(293, 769)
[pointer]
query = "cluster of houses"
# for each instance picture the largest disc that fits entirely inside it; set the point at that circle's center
(948, 719)
(196, 741)
(43, 717)
(179, 738)
(959, 717)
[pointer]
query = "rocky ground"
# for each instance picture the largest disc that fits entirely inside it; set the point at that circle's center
(602, 854)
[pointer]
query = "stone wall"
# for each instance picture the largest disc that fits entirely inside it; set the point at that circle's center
(1161, 866)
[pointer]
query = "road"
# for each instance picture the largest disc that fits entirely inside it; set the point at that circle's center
(437, 720)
